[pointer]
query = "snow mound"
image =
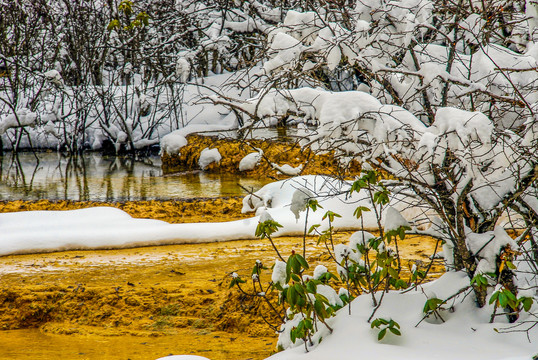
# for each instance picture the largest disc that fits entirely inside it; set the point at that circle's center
(209, 156)
(250, 161)
(466, 334)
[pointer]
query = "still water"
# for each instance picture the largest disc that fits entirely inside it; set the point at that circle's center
(97, 177)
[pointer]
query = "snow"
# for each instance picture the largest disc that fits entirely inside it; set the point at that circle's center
(473, 25)
(23, 117)
(468, 326)
(330, 294)
(299, 201)
(54, 77)
(394, 220)
(487, 247)
(250, 161)
(105, 227)
(183, 69)
(279, 273)
(287, 169)
(359, 238)
(483, 127)
(286, 48)
(466, 334)
(209, 156)
(319, 271)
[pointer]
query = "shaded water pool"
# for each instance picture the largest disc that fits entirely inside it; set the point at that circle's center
(97, 177)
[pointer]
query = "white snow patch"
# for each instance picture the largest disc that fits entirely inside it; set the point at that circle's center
(209, 156)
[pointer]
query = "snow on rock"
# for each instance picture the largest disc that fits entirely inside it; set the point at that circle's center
(23, 117)
(170, 142)
(209, 156)
(250, 161)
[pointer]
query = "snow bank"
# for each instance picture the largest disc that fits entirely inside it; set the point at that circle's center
(465, 335)
(277, 198)
(106, 227)
(103, 228)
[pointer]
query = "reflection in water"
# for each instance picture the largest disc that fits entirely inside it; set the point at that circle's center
(96, 177)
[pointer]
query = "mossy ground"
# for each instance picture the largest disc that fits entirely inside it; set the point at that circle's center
(233, 151)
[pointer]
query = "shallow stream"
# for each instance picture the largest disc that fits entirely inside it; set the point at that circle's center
(97, 177)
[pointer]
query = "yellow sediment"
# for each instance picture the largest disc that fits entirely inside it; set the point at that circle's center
(149, 302)
(173, 211)
(233, 151)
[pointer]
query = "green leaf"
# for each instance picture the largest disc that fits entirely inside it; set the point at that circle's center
(432, 304)
(503, 300)
(299, 289)
(295, 264)
(395, 331)
(527, 303)
(331, 215)
(510, 295)
(381, 334)
(313, 204)
(292, 296)
(359, 210)
(371, 176)
(493, 297)
(401, 232)
(393, 273)
(319, 309)
(302, 261)
(313, 227)
(381, 197)
(510, 265)
(311, 287)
